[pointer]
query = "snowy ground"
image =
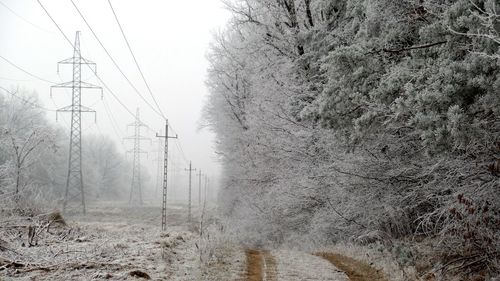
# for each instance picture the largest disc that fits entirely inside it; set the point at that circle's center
(111, 242)
(116, 242)
(299, 266)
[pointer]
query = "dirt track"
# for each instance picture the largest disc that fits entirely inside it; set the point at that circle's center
(262, 266)
(254, 265)
(356, 270)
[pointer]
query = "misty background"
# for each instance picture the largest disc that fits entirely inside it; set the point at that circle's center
(169, 40)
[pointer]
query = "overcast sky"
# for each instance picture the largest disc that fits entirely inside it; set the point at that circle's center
(169, 38)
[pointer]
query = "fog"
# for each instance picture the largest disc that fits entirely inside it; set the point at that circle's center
(169, 40)
(329, 140)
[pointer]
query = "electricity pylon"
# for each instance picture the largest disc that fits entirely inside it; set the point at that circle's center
(189, 204)
(74, 194)
(135, 197)
(165, 170)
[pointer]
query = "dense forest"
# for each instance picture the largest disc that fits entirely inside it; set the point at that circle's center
(374, 122)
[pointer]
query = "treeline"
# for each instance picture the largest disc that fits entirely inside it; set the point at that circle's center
(361, 120)
(34, 159)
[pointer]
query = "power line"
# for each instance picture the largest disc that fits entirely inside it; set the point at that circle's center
(27, 101)
(136, 63)
(25, 71)
(112, 120)
(97, 76)
(135, 60)
(15, 80)
(52, 19)
(99, 129)
(179, 147)
(113, 60)
(55, 105)
(23, 19)
(52, 82)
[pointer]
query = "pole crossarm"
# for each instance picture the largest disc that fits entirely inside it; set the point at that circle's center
(71, 108)
(139, 151)
(82, 61)
(138, 123)
(141, 138)
(69, 84)
(82, 85)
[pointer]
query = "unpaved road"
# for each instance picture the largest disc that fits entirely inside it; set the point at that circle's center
(263, 265)
(356, 270)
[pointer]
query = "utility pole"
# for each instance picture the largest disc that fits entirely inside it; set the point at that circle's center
(199, 188)
(173, 175)
(74, 194)
(165, 170)
(206, 187)
(158, 166)
(189, 206)
(135, 197)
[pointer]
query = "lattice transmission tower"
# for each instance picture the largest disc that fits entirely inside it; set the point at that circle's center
(135, 197)
(74, 196)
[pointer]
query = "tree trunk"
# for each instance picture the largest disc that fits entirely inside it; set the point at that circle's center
(308, 12)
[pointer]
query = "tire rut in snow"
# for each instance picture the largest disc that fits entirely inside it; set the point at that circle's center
(355, 270)
(270, 269)
(261, 266)
(254, 265)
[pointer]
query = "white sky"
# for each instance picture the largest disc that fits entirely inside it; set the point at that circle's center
(169, 39)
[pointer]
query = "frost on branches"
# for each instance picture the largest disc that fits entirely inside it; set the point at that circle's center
(33, 159)
(362, 121)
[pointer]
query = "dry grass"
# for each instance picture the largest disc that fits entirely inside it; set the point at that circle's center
(378, 257)
(111, 242)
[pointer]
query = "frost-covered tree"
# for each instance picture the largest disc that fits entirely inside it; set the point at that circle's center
(33, 158)
(26, 141)
(335, 119)
(104, 167)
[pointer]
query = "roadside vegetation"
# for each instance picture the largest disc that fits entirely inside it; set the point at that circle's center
(375, 123)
